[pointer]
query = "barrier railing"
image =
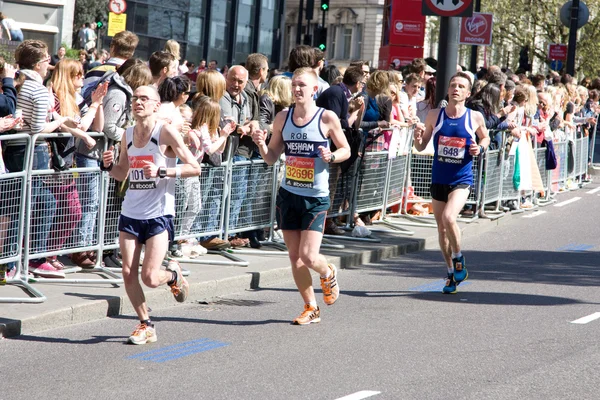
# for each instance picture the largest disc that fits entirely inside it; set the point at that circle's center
(38, 199)
(14, 192)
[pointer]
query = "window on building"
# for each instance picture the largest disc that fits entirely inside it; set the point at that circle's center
(219, 31)
(269, 25)
(345, 41)
(244, 30)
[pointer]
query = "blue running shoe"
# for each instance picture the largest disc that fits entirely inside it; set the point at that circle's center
(450, 287)
(460, 270)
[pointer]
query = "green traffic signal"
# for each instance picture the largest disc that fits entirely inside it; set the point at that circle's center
(99, 24)
(322, 47)
(325, 6)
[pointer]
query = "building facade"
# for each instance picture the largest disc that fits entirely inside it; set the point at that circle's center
(48, 20)
(222, 30)
(353, 29)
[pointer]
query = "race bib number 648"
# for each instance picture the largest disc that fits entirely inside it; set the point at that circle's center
(451, 149)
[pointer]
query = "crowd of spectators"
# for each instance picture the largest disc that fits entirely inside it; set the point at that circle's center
(209, 105)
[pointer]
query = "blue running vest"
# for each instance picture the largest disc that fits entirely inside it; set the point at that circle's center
(452, 163)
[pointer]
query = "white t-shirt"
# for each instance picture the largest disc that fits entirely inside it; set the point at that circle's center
(169, 113)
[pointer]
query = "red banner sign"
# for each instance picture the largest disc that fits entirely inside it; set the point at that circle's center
(557, 52)
(476, 30)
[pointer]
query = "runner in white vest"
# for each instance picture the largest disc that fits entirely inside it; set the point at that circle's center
(148, 157)
(303, 133)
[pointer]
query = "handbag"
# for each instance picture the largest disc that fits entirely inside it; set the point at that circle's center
(213, 159)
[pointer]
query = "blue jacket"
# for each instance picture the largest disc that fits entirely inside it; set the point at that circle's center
(8, 100)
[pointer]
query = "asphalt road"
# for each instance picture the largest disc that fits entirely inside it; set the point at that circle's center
(507, 334)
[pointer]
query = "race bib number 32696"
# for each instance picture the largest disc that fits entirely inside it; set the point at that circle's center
(300, 171)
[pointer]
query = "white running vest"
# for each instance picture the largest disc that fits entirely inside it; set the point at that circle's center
(306, 174)
(148, 198)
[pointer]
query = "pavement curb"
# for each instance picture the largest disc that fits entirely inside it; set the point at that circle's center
(162, 297)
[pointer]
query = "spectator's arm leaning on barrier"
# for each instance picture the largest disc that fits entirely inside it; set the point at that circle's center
(482, 134)
(8, 122)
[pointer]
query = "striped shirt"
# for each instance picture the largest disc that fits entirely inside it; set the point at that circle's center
(32, 100)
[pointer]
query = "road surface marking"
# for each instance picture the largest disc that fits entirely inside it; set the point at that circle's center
(534, 214)
(594, 190)
(576, 247)
(564, 203)
(363, 394)
(179, 350)
(587, 319)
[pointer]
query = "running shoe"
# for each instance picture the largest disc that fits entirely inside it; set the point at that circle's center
(180, 287)
(331, 289)
(460, 270)
(450, 287)
(310, 315)
(142, 334)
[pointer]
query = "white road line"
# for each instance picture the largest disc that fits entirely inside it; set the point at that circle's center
(564, 203)
(594, 190)
(587, 319)
(534, 214)
(363, 394)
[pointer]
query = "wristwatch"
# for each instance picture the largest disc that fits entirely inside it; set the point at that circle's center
(162, 172)
(332, 159)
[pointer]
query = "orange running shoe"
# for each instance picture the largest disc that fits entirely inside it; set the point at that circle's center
(310, 315)
(180, 287)
(331, 289)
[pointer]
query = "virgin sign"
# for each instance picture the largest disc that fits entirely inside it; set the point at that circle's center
(476, 30)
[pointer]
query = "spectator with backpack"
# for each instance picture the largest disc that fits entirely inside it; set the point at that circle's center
(122, 47)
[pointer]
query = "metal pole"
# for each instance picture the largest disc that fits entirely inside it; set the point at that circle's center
(299, 29)
(474, 48)
(447, 55)
(573, 38)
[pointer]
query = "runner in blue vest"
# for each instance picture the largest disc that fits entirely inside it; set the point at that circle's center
(303, 132)
(458, 134)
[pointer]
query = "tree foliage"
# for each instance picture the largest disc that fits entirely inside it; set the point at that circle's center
(89, 11)
(536, 23)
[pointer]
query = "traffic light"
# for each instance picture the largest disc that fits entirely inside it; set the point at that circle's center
(325, 5)
(321, 36)
(100, 24)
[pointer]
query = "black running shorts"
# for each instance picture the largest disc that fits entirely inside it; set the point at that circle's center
(300, 212)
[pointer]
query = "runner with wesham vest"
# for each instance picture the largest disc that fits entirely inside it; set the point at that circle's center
(458, 134)
(303, 133)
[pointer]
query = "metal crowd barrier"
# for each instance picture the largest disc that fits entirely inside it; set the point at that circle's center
(236, 197)
(15, 188)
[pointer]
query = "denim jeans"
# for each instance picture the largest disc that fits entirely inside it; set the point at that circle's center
(211, 189)
(239, 190)
(88, 186)
(43, 203)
